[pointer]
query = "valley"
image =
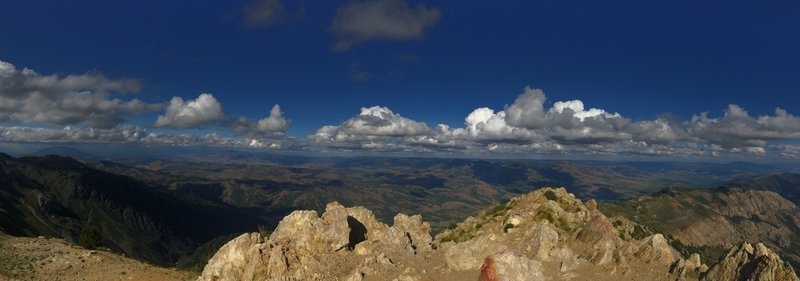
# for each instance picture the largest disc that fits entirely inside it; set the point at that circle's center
(176, 212)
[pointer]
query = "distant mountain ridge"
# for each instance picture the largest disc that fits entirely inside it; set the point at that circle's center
(785, 184)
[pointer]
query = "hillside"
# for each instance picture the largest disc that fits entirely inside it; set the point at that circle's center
(544, 235)
(56, 196)
(716, 219)
(785, 184)
(442, 190)
(46, 259)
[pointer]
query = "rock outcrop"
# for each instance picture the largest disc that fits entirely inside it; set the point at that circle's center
(544, 235)
(750, 263)
(306, 246)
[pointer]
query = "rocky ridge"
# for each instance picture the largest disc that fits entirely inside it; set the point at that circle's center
(547, 234)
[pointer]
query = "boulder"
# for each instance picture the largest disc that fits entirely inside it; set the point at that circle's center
(544, 238)
(470, 255)
(507, 265)
(410, 233)
(242, 258)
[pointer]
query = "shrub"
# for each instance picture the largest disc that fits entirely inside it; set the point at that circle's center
(562, 223)
(263, 230)
(546, 214)
(452, 226)
(550, 195)
(497, 210)
(507, 227)
(90, 238)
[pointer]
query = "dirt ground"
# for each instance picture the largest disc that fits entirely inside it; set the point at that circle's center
(24, 258)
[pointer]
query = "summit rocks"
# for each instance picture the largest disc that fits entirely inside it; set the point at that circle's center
(547, 234)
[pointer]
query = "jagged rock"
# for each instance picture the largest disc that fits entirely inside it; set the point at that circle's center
(692, 266)
(411, 233)
(602, 257)
(752, 264)
(298, 227)
(509, 266)
(343, 228)
(240, 259)
(567, 259)
(561, 232)
(469, 255)
(656, 249)
(543, 241)
(598, 232)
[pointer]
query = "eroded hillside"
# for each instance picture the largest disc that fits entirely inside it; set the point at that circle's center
(711, 220)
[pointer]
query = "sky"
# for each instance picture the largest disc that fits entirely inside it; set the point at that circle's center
(663, 79)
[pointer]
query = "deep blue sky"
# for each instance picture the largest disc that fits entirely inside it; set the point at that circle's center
(659, 64)
(639, 58)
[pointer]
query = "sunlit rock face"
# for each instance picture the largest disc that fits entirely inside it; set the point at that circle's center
(544, 235)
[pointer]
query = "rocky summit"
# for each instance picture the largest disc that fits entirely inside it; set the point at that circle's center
(547, 234)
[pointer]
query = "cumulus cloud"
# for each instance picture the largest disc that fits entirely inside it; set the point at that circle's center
(485, 125)
(360, 21)
(374, 127)
(569, 127)
(737, 129)
(86, 99)
(263, 13)
(182, 114)
(271, 125)
(566, 121)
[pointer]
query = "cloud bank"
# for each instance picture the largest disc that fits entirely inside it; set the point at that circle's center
(86, 99)
(528, 127)
(93, 108)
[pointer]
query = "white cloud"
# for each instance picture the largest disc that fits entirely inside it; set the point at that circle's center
(737, 129)
(527, 111)
(270, 126)
(29, 97)
(263, 13)
(191, 113)
(374, 127)
(360, 21)
(483, 124)
(565, 121)
(375, 121)
(274, 122)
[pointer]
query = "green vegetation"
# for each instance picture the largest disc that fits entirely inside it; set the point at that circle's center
(507, 227)
(708, 254)
(496, 211)
(547, 214)
(562, 223)
(639, 232)
(458, 236)
(263, 230)
(90, 238)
